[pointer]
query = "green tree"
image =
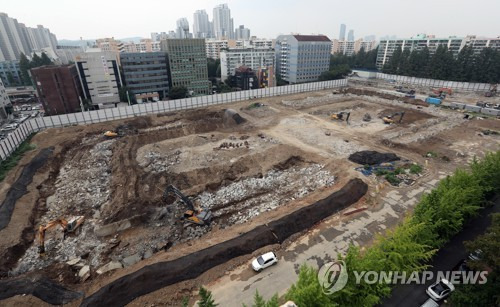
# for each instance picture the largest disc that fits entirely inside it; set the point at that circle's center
(45, 59)
(259, 301)
(212, 66)
(36, 61)
(307, 291)
(206, 299)
(24, 66)
(125, 94)
(404, 64)
(10, 79)
(465, 64)
(338, 72)
(442, 64)
(392, 66)
(487, 66)
(178, 92)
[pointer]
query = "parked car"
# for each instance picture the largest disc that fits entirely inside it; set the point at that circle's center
(264, 261)
(475, 255)
(430, 303)
(440, 290)
(10, 127)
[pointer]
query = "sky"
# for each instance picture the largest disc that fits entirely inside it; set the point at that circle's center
(91, 19)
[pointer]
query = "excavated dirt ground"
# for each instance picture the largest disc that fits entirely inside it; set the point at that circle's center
(288, 154)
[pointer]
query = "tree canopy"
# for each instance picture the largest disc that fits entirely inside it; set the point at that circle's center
(178, 92)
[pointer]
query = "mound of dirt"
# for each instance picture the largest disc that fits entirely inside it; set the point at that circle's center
(41, 287)
(372, 157)
(231, 118)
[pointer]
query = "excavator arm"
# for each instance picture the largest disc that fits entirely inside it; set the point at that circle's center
(67, 226)
(184, 198)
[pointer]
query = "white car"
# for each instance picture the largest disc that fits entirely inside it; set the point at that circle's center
(440, 290)
(264, 261)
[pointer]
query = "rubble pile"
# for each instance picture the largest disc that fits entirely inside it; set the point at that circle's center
(81, 189)
(247, 198)
(315, 101)
(156, 162)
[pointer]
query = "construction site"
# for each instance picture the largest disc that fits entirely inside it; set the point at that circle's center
(152, 198)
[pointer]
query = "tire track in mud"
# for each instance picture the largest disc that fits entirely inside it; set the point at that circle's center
(158, 275)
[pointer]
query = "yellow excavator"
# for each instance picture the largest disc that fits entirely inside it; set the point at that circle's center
(340, 116)
(199, 217)
(389, 119)
(67, 226)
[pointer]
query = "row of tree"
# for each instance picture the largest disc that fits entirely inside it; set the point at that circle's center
(341, 65)
(467, 66)
(25, 65)
(437, 217)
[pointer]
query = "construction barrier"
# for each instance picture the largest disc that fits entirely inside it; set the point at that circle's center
(16, 137)
(462, 86)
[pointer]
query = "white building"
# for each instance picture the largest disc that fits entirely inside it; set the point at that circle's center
(255, 58)
(419, 42)
(214, 46)
(100, 77)
(202, 27)
(351, 47)
(67, 54)
(182, 30)
(242, 33)
(145, 45)
(4, 101)
(223, 23)
(350, 36)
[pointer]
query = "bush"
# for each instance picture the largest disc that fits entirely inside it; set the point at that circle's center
(415, 169)
(393, 180)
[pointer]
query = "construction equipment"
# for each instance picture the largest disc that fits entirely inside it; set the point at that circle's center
(192, 215)
(492, 91)
(389, 119)
(340, 116)
(441, 93)
(67, 226)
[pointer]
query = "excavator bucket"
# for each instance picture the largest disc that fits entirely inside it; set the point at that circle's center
(110, 134)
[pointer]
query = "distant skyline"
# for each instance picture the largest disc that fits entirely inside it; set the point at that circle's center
(91, 19)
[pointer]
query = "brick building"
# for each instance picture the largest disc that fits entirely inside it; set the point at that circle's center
(58, 87)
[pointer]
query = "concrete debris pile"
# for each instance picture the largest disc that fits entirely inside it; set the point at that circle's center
(314, 101)
(170, 126)
(81, 189)
(247, 198)
(156, 162)
(230, 145)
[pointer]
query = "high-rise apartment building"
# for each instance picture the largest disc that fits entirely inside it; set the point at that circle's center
(4, 101)
(188, 64)
(214, 47)
(242, 33)
(352, 47)
(421, 41)
(156, 37)
(202, 27)
(16, 38)
(146, 75)
(10, 73)
(182, 30)
(254, 58)
(342, 32)
(100, 77)
(350, 36)
(222, 22)
(145, 45)
(59, 88)
(67, 54)
(302, 58)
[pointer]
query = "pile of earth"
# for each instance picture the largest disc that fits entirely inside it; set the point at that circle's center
(371, 157)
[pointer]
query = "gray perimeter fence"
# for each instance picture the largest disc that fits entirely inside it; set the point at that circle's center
(464, 86)
(16, 137)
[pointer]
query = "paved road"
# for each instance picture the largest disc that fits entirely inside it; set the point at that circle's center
(445, 260)
(318, 247)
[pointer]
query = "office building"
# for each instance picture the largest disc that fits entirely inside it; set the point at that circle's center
(145, 45)
(182, 30)
(202, 27)
(342, 32)
(146, 75)
(419, 42)
(302, 58)
(350, 36)
(59, 88)
(242, 33)
(188, 64)
(349, 48)
(223, 23)
(100, 77)
(254, 58)
(4, 102)
(10, 73)
(109, 44)
(245, 78)
(16, 38)
(214, 47)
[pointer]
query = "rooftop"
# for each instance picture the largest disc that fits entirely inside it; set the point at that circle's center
(312, 38)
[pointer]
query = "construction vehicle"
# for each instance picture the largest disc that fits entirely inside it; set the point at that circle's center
(67, 226)
(492, 91)
(389, 119)
(192, 215)
(441, 93)
(340, 116)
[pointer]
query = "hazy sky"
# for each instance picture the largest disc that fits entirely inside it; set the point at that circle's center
(92, 19)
